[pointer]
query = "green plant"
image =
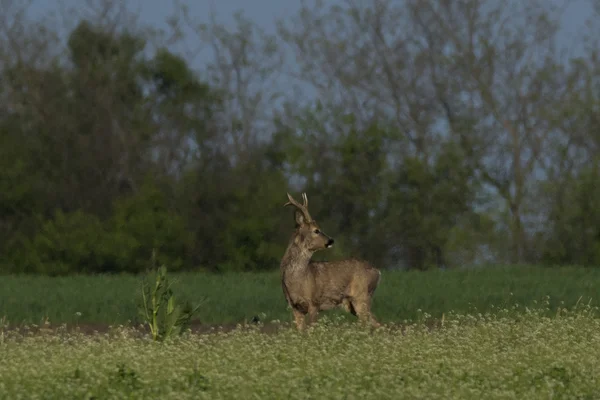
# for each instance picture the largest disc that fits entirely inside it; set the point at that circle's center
(161, 312)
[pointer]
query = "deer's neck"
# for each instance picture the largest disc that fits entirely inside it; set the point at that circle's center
(296, 257)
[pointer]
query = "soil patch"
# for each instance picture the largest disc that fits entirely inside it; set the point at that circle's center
(196, 327)
(98, 328)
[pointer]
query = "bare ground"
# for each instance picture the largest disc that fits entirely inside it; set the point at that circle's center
(98, 328)
(196, 327)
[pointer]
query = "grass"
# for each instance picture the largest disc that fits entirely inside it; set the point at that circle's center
(237, 297)
(488, 333)
(500, 355)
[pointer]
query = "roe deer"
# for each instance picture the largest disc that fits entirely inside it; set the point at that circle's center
(311, 286)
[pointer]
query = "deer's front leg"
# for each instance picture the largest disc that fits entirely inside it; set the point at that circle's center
(299, 319)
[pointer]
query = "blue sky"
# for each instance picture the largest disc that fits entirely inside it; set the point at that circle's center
(263, 12)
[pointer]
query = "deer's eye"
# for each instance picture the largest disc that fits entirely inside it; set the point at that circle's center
(317, 231)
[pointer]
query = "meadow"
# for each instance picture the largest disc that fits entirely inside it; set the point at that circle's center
(237, 297)
(499, 355)
(467, 334)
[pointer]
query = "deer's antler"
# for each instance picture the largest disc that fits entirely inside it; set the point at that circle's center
(302, 207)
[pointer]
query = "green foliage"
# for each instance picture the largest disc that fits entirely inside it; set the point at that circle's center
(251, 237)
(464, 240)
(92, 46)
(574, 236)
(174, 77)
(358, 186)
(238, 221)
(80, 242)
(144, 222)
(428, 200)
(165, 316)
(20, 194)
(67, 243)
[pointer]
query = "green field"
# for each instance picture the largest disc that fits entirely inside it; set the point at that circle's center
(235, 298)
(505, 333)
(492, 356)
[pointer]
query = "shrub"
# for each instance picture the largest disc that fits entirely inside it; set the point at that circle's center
(79, 242)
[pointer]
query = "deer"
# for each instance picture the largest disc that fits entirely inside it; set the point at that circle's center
(313, 286)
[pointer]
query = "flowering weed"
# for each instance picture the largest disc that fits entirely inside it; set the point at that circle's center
(493, 355)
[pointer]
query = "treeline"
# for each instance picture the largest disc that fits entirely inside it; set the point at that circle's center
(425, 133)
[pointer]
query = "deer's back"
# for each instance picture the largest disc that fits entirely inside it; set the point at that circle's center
(336, 280)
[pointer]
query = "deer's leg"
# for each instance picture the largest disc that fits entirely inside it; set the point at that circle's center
(373, 321)
(299, 319)
(347, 305)
(363, 311)
(312, 313)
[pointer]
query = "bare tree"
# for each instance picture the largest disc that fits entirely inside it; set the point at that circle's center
(244, 68)
(474, 72)
(504, 76)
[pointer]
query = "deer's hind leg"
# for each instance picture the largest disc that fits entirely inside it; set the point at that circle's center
(313, 312)
(361, 301)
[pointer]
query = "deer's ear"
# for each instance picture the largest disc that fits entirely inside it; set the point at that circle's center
(299, 218)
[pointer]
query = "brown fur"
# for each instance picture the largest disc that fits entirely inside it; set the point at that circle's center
(311, 286)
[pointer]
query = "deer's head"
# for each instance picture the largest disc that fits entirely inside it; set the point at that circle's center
(308, 233)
